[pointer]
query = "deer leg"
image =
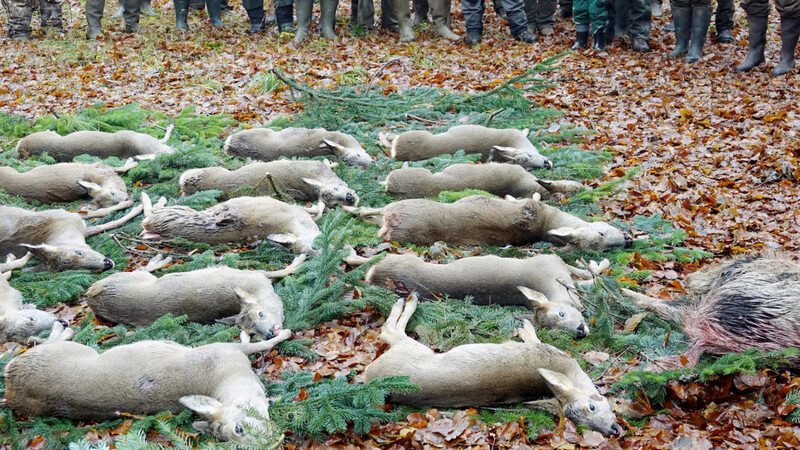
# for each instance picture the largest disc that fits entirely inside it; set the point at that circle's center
(102, 212)
(654, 305)
(97, 229)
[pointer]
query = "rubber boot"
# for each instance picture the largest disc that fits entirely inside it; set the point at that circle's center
(94, 12)
(214, 8)
(131, 15)
(403, 14)
(599, 39)
(327, 18)
(757, 31)
(682, 18)
(581, 36)
(701, 19)
(303, 11)
(256, 16)
(147, 9)
(440, 11)
(790, 31)
(284, 16)
(421, 9)
(181, 14)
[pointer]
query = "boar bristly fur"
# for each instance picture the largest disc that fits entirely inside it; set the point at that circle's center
(302, 180)
(267, 145)
(72, 380)
(500, 144)
(238, 220)
(491, 280)
(122, 144)
(494, 178)
(740, 303)
(475, 375)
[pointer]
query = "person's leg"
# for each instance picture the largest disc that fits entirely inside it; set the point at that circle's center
(789, 11)
(19, 18)
(701, 19)
(723, 21)
(50, 11)
(473, 20)
(94, 12)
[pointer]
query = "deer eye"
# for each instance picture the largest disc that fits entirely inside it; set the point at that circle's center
(591, 408)
(260, 314)
(561, 314)
(601, 234)
(78, 252)
(238, 429)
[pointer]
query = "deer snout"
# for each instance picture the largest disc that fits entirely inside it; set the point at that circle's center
(615, 430)
(628, 240)
(548, 164)
(350, 198)
(581, 333)
(108, 264)
(63, 322)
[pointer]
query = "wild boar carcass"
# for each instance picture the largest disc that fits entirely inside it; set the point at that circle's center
(499, 144)
(303, 180)
(67, 379)
(238, 220)
(542, 283)
(490, 374)
(266, 145)
(477, 220)
(122, 144)
(740, 303)
(494, 178)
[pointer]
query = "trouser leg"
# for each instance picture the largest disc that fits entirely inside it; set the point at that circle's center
(440, 13)
(641, 15)
(284, 14)
(50, 11)
(132, 10)
(723, 19)
(421, 8)
(402, 12)
(473, 15)
(515, 13)
(362, 13)
(19, 18)
(388, 18)
(94, 12)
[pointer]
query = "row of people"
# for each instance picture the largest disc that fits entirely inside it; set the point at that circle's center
(602, 19)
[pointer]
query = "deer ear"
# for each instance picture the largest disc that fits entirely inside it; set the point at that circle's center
(41, 250)
(284, 239)
(201, 404)
(566, 234)
(90, 187)
(229, 321)
(244, 296)
(334, 146)
(313, 183)
(560, 385)
(536, 299)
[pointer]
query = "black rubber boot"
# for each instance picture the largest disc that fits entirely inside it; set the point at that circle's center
(284, 17)
(599, 39)
(581, 38)
(94, 12)
(473, 37)
(701, 19)
(181, 14)
(682, 18)
(790, 31)
(214, 8)
(257, 23)
(757, 30)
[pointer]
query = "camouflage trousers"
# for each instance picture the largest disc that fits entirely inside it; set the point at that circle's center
(19, 16)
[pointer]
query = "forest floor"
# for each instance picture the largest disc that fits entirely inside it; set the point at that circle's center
(718, 152)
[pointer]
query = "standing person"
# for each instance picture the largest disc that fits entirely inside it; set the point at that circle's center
(440, 16)
(327, 19)
(590, 15)
(94, 13)
(255, 12)
(146, 9)
(19, 17)
(691, 18)
(632, 17)
(757, 18)
(723, 21)
(515, 13)
(541, 15)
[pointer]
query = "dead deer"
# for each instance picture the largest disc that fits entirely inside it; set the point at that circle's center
(67, 379)
(490, 374)
(17, 323)
(122, 144)
(236, 297)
